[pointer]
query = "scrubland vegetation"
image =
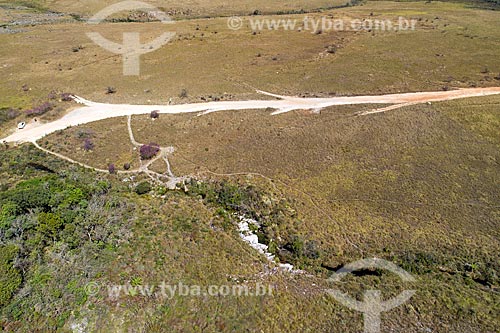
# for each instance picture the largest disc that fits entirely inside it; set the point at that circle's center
(417, 186)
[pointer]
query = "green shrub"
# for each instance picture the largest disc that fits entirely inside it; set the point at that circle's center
(49, 225)
(418, 262)
(10, 277)
(312, 250)
(296, 246)
(143, 188)
(183, 94)
(8, 213)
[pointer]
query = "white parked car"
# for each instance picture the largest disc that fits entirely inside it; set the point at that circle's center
(21, 125)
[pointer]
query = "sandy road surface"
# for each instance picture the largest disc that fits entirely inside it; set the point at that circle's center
(93, 111)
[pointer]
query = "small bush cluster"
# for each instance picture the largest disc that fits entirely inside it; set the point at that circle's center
(11, 113)
(299, 248)
(143, 188)
(149, 151)
(52, 95)
(332, 49)
(88, 144)
(112, 169)
(110, 90)
(7, 114)
(39, 110)
(66, 97)
(155, 114)
(84, 133)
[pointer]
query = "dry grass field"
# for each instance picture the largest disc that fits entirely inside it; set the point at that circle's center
(109, 138)
(417, 186)
(401, 163)
(190, 9)
(455, 49)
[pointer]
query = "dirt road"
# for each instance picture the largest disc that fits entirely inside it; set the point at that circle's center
(98, 111)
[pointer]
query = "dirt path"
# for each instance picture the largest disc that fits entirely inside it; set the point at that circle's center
(172, 181)
(79, 163)
(98, 111)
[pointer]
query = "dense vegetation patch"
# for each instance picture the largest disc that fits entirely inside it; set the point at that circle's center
(52, 223)
(7, 114)
(276, 217)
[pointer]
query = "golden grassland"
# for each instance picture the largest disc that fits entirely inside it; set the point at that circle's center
(406, 163)
(110, 139)
(417, 185)
(177, 9)
(452, 47)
